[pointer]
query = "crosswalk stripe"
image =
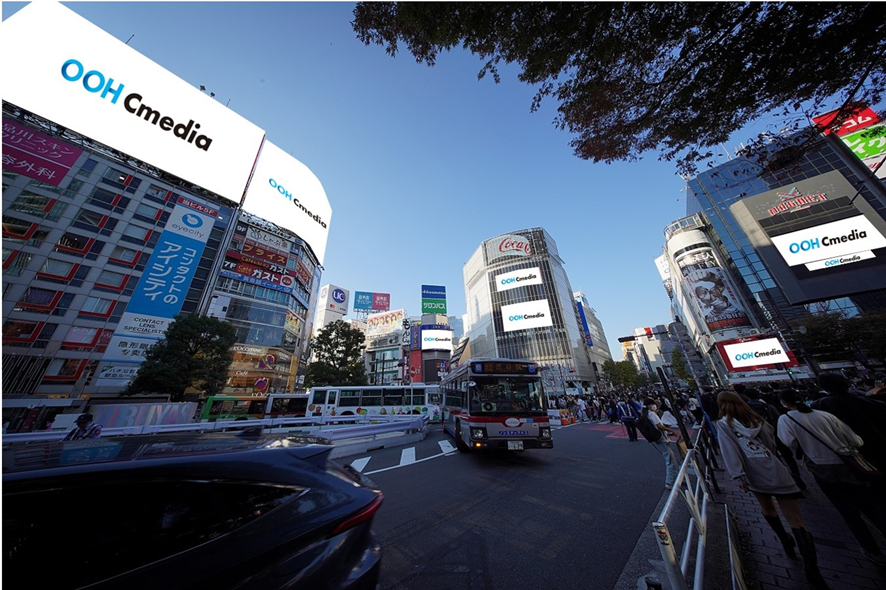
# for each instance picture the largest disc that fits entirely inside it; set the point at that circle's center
(446, 446)
(407, 456)
(360, 464)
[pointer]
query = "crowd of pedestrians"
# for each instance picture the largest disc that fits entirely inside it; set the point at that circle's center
(834, 428)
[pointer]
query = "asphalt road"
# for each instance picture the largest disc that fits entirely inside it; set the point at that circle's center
(562, 518)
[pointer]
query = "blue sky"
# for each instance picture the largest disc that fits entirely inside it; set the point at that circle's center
(420, 164)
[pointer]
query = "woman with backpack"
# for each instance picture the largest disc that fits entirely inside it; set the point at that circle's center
(747, 444)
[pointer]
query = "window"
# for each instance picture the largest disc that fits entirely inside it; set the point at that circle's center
(20, 330)
(31, 203)
(89, 219)
(122, 254)
(15, 262)
(81, 335)
(110, 278)
(103, 198)
(349, 398)
(156, 191)
(71, 241)
(136, 232)
(58, 268)
(87, 168)
(393, 397)
(96, 305)
(36, 297)
(148, 211)
(73, 188)
(14, 227)
(64, 367)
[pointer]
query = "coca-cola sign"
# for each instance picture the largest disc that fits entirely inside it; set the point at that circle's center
(507, 245)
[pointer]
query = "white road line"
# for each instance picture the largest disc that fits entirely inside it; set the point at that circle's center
(407, 456)
(446, 447)
(399, 466)
(360, 464)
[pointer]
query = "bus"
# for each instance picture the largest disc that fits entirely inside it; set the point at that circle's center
(232, 407)
(287, 405)
(496, 404)
(375, 400)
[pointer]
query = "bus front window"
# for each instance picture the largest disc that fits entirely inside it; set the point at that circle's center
(510, 395)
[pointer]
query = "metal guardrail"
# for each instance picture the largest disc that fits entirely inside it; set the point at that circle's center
(332, 428)
(692, 488)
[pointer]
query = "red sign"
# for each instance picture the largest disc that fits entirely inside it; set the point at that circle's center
(263, 253)
(255, 272)
(511, 245)
(36, 155)
(415, 375)
(302, 274)
(858, 119)
(278, 268)
(381, 301)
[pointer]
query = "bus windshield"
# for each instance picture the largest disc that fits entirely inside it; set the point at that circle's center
(506, 394)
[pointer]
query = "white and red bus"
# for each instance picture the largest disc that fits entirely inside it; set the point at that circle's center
(496, 404)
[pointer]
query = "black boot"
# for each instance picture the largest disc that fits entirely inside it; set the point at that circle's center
(786, 540)
(806, 545)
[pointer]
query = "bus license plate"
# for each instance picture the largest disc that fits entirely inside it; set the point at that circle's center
(515, 445)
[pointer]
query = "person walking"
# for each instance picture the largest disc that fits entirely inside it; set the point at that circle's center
(628, 416)
(649, 418)
(823, 437)
(747, 444)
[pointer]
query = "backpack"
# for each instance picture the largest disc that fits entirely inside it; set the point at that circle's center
(649, 430)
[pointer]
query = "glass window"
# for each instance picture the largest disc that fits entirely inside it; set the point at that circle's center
(38, 297)
(59, 268)
(103, 196)
(19, 264)
(87, 168)
(19, 329)
(393, 397)
(81, 335)
(15, 226)
(156, 191)
(96, 305)
(148, 211)
(90, 218)
(73, 188)
(124, 254)
(136, 231)
(349, 398)
(73, 241)
(110, 278)
(31, 203)
(63, 367)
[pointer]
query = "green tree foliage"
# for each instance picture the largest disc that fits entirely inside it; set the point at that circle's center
(825, 336)
(677, 77)
(868, 332)
(338, 349)
(681, 369)
(195, 352)
(621, 373)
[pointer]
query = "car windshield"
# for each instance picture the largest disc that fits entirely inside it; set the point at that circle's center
(507, 394)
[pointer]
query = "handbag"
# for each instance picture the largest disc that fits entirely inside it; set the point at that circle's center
(860, 466)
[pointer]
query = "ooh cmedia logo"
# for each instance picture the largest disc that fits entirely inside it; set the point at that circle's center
(529, 316)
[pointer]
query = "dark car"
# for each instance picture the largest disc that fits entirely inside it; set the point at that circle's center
(186, 512)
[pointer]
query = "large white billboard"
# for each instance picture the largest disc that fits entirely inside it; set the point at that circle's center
(522, 316)
(756, 353)
(829, 241)
(436, 340)
(518, 278)
(62, 67)
(285, 191)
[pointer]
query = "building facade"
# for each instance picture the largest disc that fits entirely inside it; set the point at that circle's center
(520, 305)
(595, 337)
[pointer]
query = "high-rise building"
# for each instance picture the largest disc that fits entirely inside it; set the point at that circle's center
(520, 305)
(595, 337)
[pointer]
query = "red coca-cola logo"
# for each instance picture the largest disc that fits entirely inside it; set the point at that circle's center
(509, 245)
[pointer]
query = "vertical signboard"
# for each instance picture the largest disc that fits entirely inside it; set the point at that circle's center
(161, 290)
(433, 299)
(706, 284)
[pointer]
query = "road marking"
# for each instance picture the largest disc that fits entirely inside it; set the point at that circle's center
(407, 456)
(446, 447)
(404, 465)
(360, 464)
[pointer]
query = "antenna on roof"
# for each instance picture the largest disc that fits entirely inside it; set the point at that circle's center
(130, 38)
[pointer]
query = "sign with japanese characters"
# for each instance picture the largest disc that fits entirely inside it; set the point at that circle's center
(36, 155)
(161, 290)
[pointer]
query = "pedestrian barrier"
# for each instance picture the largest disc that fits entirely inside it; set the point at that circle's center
(691, 487)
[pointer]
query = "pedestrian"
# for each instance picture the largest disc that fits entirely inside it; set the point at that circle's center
(771, 414)
(823, 437)
(628, 416)
(85, 428)
(864, 415)
(648, 417)
(747, 443)
(613, 412)
(583, 409)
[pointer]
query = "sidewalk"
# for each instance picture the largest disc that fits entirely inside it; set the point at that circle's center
(766, 565)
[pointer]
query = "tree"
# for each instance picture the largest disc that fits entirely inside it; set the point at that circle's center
(195, 352)
(681, 369)
(868, 332)
(675, 77)
(338, 349)
(621, 373)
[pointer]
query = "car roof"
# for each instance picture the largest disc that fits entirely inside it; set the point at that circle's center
(19, 457)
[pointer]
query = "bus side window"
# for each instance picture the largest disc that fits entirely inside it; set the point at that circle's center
(331, 400)
(318, 397)
(371, 400)
(393, 397)
(349, 397)
(418, 396)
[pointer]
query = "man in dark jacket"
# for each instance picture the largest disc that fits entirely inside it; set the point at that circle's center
(865, 416)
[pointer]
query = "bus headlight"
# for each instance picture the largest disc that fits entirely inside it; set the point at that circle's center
(478, 433)
(545, 432)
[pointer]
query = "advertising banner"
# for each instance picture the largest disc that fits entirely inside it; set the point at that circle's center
(415, 374)
(433, 306)
(255, 281)
(85, 79)
(268, 240)
(333, 298)
(830, 242)
(518, 278)
(160, 292)
(436, 340)
(362, 300)
(754, 353)
(36, 155)
(385, 323)
(286, 192)
(522, 316)
(664, 271)
(381, 301)
(586, 330)
(507, 245)
(257, 272)
(859, 119)
(254, 250)
(707, 286)
(433, 292)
